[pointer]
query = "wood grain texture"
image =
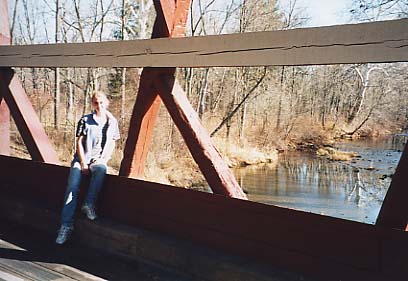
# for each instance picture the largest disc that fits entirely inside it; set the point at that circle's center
(309, 243)
(375, 42)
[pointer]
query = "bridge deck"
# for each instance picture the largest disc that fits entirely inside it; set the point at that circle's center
(29, 254)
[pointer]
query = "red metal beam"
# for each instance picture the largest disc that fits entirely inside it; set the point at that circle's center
(394, 210)
(31, 130)
(170, 22)
(4, 110)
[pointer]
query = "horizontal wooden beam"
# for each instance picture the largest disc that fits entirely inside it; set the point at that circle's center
(304, 242)
(377, 42)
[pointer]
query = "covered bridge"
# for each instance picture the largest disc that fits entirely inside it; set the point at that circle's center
(219, 236)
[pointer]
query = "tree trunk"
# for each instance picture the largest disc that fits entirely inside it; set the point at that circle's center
(242, 124)
(202, 95)
(123, 94)
(70, 106)
(57, 71)
(123, 78)
(279, 113)
(13, 22)
(233, 110)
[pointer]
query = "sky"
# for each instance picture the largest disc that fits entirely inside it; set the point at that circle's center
(325, 12)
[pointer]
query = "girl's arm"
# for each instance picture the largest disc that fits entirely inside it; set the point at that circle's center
(81, 155)
(108, 150)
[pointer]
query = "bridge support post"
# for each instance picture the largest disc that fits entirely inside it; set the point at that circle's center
(171, 18)
(158, 83)
(394, 210)
(4, 110)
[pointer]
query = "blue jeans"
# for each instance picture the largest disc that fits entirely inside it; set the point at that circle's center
(98, 172)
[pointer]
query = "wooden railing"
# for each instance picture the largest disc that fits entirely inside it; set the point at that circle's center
(376, 42)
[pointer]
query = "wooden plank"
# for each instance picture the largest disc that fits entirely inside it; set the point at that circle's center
(138, 244)
(38, 257)
(219, 177)
(394, 210)
(376, 42)
(310, 243)
(4, 110)
(148, 102)
(30, 270)
(31, 130)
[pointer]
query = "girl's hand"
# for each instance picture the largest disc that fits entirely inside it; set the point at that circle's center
(84, 169)
(99, 161)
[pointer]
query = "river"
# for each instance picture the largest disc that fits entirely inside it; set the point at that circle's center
(352, 190)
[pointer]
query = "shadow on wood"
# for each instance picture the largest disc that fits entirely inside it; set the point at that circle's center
(302, 242)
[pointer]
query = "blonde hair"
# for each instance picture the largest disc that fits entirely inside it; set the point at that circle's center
(100, 95)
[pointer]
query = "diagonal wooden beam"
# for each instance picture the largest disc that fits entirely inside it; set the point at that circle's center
(141, 126)
(4, 110)
(215, 170)
(394, 210)
(171, 21)
(148, 102)
(31, 130)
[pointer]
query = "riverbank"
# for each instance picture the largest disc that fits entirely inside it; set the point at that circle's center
(176, 166)
(182, 171)
(303, 180)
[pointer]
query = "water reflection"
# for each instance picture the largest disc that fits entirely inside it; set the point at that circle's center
(352, 190)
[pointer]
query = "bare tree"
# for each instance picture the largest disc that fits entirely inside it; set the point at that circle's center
(238, 106)
(57, 88)
(292, 17)
(365, 84)
(374, 10)
(13, 21)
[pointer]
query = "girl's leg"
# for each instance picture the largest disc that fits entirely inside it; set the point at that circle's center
(71, 195)
(98, 172)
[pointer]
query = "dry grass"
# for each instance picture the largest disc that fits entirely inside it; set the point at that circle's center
(178, 168)
(336, 155)
(241, 156)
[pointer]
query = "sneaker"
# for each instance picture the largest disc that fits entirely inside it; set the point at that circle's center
(89, 211)
(63, 234)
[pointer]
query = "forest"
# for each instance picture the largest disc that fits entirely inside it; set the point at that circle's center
(252, 113)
